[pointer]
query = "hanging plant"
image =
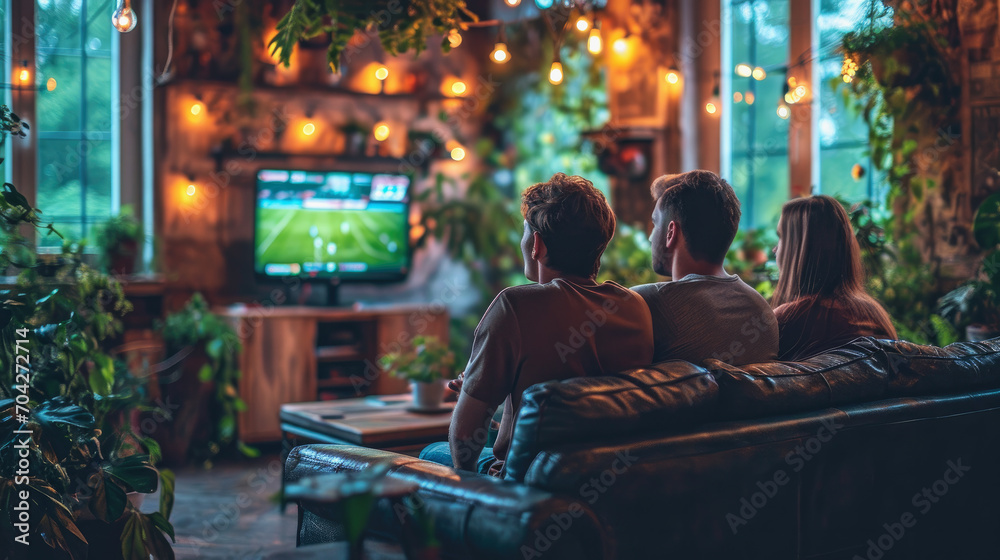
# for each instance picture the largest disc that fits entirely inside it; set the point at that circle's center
(401, 25)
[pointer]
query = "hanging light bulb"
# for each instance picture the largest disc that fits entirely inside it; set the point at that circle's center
(594, 40)
(454, 38)
(556, 72)
(749, 98)
(783, 111)
(381, 73)
(512, 3)
(673, 75)
(758, 73)
(191, 189)
(50, 84)
(124, 18)
(620, 45)
(500, 55)
(381, 131)
(582, 24)
(743, 69)
(24, 74)
(712, 106)
(458, 87)
(737, 97)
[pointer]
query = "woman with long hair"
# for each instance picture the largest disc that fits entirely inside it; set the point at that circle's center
(820, 300)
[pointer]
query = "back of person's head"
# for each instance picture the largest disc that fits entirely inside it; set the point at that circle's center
(574, 220)
(705, 207)
(819, 254)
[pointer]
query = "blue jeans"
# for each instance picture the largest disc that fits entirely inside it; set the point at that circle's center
(440, 453)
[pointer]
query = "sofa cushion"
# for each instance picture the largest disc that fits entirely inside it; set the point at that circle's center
(849, 374)
(659, 397)
(928, 370)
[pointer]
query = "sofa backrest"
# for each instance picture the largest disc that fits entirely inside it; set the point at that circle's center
(843, 441)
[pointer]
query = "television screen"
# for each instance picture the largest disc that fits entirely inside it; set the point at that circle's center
(333, 224)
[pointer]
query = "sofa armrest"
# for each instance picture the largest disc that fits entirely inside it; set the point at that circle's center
(474, 516)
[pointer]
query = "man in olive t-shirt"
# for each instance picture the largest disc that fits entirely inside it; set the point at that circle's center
(705, 312)
(566, 325)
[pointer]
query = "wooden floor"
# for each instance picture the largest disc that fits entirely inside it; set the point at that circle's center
(228, 511)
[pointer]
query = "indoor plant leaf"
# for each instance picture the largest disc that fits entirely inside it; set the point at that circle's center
(134, 472)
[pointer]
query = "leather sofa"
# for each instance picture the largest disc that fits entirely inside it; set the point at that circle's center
(876, 450)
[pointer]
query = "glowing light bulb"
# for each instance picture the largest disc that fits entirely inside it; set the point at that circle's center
(582, 24)
(381, 73)
(789, 97)
(672, 76)
(381, 131)
(800, 91)
(459, 87)
(24, 75)
(758, 73)
(847, 78)
(749, 97)
(556, 73)
(197, 107)
(783, 111)
(620, 45)
(544, 4)
(458, 153)
(710, 108)
(124, 18)
(744, 70)
(512, 3)
(308, 129)
(594, 41)
(454, 38)
(500, 54)
(50, 84)
(191, 190)
(737, 97)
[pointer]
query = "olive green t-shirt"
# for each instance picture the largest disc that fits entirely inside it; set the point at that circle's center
(557, 330)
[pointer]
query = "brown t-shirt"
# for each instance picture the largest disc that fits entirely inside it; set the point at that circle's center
(810, 326)
(557, 330)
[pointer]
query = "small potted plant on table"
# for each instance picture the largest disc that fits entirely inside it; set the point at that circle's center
(426, 364)
(118, 240)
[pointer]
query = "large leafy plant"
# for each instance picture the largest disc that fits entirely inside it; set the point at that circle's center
(65, 441)
(195, 327)
(425, 361)
(402, 25)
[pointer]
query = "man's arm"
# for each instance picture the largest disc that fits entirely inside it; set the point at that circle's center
(470, 429)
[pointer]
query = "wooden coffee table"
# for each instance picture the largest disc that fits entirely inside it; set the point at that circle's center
(384, 422)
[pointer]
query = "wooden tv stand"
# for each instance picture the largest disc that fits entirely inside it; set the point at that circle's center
(300, 354)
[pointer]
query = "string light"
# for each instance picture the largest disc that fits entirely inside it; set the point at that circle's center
(500, 55)
(672, 75)
(758, 73)
(783, 111)
(620, 45)
(196, 108)
(594, 44)
(454, 38)
(848, 69)
(743, 69)
(749, 98)
(712, 106)
(381, 131)
(50, 84)
(381, 73)
(456, 150)
(737, 97)
(191, 189)
(24, 75)
(512, 3)
(124, 18)
(556, 73)
(582, 24)
(308, 129)
(458, 88)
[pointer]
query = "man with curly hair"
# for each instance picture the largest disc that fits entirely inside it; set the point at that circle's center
(563, 325)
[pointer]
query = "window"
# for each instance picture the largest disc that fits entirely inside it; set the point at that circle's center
(759, 137)
(845, 165)
(76, 76)
(759, 35)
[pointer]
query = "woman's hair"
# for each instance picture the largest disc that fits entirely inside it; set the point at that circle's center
(821, 259)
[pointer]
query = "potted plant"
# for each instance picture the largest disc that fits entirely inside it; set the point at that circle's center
(975, 305)
(426, 364)
(355, 138)
(67, 402)
(118, 239)
(204, 382)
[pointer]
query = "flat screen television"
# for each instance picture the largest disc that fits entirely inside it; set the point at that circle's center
(332, 225)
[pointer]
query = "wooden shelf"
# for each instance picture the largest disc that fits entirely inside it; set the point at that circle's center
(416, 97)
(346, 353)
